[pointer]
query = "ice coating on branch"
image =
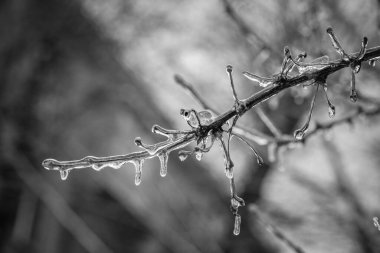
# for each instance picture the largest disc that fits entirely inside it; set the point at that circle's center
(363, 48)
(237, 224)
(194, 118)
(65, 167)
(151, 149)
(262, 81)
(229, 169)
(316, 64)
(163, 163)
(101, 165)
(138, 169)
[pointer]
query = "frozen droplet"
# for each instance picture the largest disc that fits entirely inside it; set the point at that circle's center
(138, 168)
(331, 110)
(299, 134)
(237, 224)
(262, 81)
(199, 155)
(372, 63)
(64, 174)
(354, 96)
(356, 68)
(316, 64)
(163, 163)
(183, 155)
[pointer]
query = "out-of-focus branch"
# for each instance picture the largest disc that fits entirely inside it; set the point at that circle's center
(248, 32)
(348, 119)
(274, 230)
(344, 187)
(59, 208)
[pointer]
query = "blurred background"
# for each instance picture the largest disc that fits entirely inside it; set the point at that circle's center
(85, 77)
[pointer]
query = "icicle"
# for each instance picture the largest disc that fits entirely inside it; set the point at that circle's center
(262, 81)
(300, 133)
(64, 174)
(151, 149)
(138, 168)
(337, 45)
(331, 106)
(354, 94)
(237, 224)
(372, 63)
(164, 163)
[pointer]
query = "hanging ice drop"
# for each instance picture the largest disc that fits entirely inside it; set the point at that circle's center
(198, 155)
(237, 224)
(138, 168)
(64, 174)
(164, 163)
(331, 110)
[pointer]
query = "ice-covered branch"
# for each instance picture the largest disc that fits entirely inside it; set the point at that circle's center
(208, 127)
